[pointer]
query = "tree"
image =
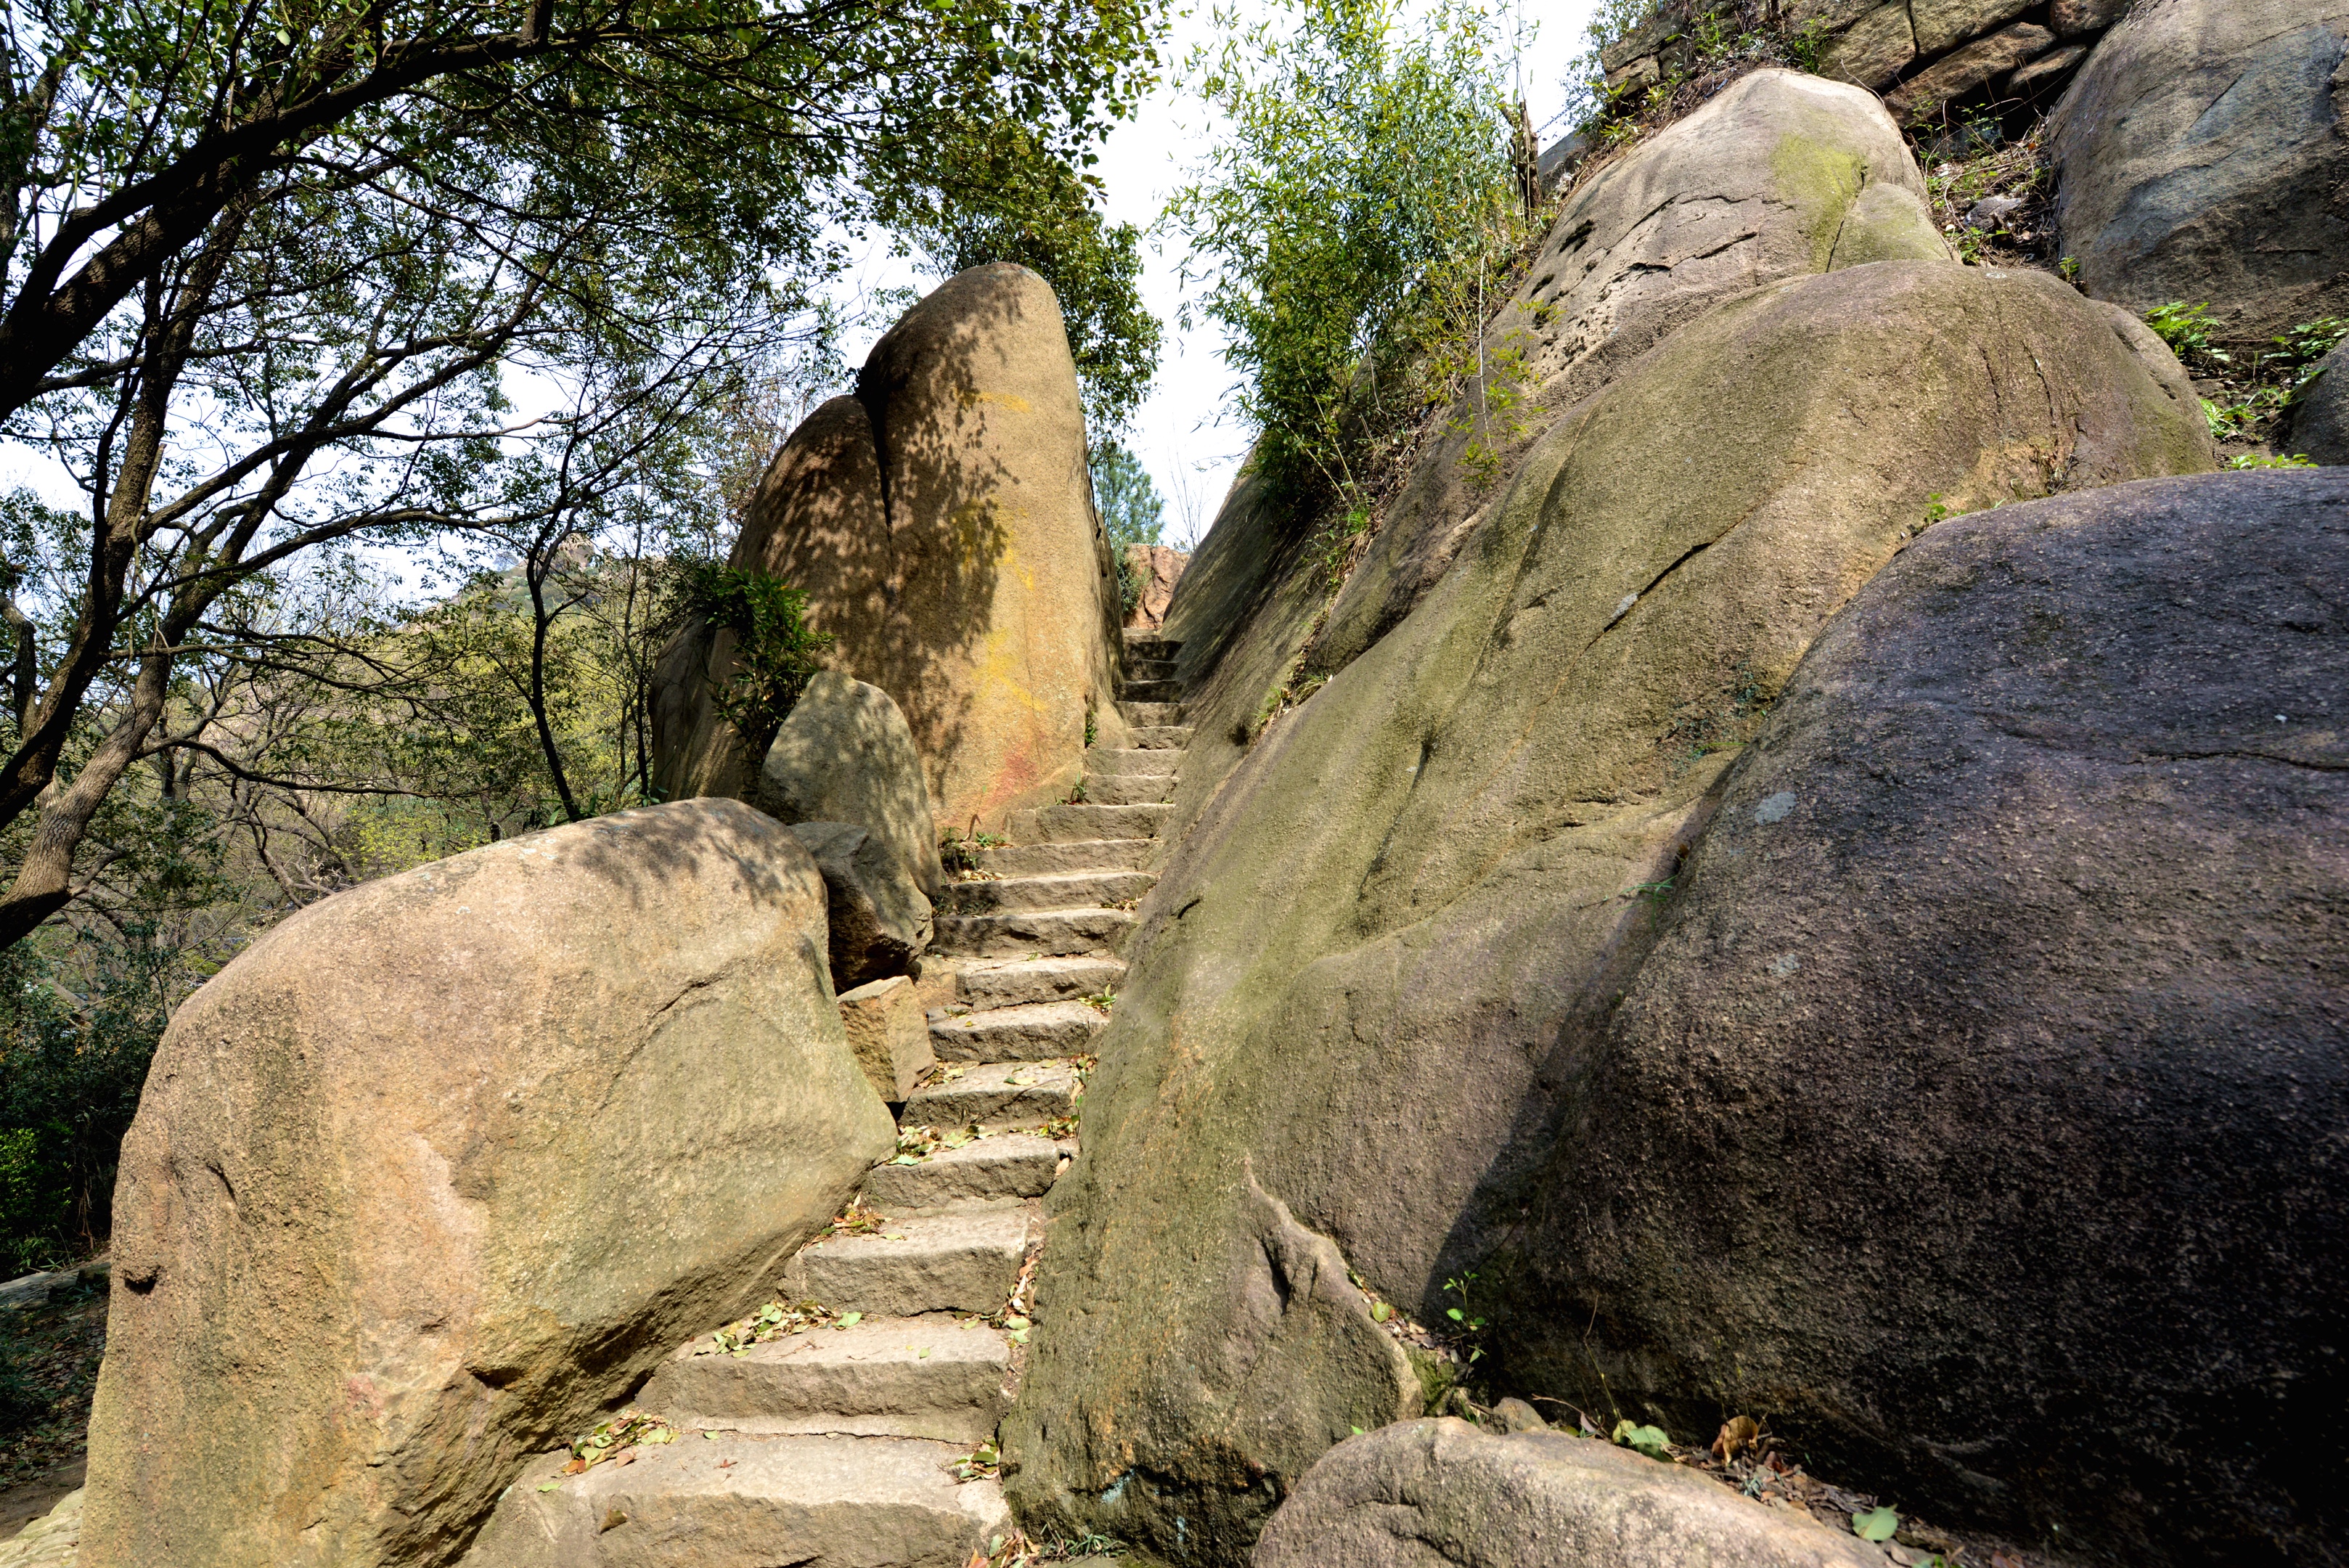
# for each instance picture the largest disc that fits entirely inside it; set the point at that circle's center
(271, 279)
(1349, 220)
(1003, 194)
(1130, 505)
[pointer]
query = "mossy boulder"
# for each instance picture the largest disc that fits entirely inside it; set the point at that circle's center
(1350, 988)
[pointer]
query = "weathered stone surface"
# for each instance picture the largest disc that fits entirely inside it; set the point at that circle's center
(1780, 175)
(2319, 430)
(888, 1034)
(2044, 73)
(1454, 831)
(941, 525)
(1158, 568)
(2078, 18)
(817, 521)
(880, 921)
(438, 1167)
(1004, 603)
(1943, 25)
(1982, 1109)
(1874, 50)
(2201, 156)
(1433, 1493)
(860, 1503)
(846, 754)
(1970, 69)
(49, 1541)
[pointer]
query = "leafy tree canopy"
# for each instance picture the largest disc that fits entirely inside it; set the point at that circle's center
(267, 273)
(1366, 160)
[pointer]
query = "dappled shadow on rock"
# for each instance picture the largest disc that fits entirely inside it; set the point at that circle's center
(941, 523)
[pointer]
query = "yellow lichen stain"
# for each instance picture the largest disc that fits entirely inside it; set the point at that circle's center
(971, 397)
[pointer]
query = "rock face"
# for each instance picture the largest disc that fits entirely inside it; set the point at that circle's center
(818, 521)
(846, 754)
(1423, 1494)
(1981, 1111)
(2319, 421)
(941, 525)
(1348, 983)
(880, 920)
(1779, 176)
(888, 1035)
(439, 1166)
(2201, 156)
(1157, 567)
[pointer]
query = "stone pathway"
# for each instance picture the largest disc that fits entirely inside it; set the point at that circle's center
(862, 1439)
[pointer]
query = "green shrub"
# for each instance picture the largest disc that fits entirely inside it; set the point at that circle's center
(774, 648)
(75, 1043)
(2186, 328)
(1365, 178)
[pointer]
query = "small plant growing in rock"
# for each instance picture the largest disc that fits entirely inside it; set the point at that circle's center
(2187, 329)
(1464, 1323)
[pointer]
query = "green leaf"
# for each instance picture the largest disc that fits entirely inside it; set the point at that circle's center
(1648, 1441)
(1878, 1524)
(1380, 1312)
(551, 1486)
(851, 1319)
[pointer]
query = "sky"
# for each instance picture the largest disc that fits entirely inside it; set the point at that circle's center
(1180, 432)
(1179, 435)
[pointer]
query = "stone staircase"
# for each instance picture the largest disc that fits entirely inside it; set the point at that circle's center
(855, 1433)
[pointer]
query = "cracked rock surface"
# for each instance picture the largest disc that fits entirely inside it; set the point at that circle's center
(1985, 1086)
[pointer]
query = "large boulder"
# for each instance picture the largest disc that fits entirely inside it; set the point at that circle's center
(941, 523)
(440, 1166)
(1350, 982)
(2202, 156)
(880, 920)
(1982, 1113)
(1003, 635)
(846, 754)
(1442, 1495)
(1779, 176)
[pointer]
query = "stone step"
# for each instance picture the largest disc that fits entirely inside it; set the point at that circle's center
(1033, 933)
(1032, 1031)
(994, 1094)
(1061, 860)
(1127, 789)
(1140, 692)
(1009, 982)
(1160, 737)
(1067, 823)
(737, 1500)
(886, 1377)
(1005, 1166)
(1112, 760)
(1150, 645)
(1151, 714)
(1149, 669)
(1064, 890)
(963, 1259)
